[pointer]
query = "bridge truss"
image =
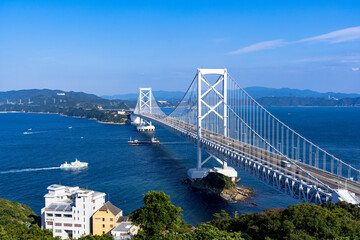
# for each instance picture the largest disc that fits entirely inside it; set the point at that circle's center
(219, 116)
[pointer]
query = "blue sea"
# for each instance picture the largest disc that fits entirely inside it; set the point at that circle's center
(125, 173)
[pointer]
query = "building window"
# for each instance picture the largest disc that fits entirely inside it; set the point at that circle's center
(49, 214)
(103, 232)
(57, 224)
(103, 219)
(67, 224)
(77, 225)
(103, 225)
(111, 219)
(57, 215)
(83, 199)
(93, 208)
(49, 223)
(111, 225)
(68, 215)
(58, 230)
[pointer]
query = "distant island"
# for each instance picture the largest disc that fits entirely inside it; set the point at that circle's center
(72, 104)
(308, 102)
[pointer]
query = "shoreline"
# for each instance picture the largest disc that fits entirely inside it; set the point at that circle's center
(63, 115)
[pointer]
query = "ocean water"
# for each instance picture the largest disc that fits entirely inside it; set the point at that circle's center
(29, 162)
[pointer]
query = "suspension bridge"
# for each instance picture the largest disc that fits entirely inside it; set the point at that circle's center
(218, 116)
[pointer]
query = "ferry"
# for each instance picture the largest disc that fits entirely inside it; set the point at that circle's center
(76, 164)
(153, 141)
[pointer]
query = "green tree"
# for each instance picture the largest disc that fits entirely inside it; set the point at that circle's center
(207, 232)
(158, 217)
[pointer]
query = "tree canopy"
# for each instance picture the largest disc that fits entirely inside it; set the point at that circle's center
(158, 217)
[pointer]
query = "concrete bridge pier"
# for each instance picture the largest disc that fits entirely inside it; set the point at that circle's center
(200, 172)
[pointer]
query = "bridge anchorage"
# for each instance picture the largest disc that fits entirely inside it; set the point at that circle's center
(218, 116)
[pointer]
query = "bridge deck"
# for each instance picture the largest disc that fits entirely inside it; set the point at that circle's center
(270, 159)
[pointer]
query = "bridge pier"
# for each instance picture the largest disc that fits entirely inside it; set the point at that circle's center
(200, 172)
(135, 120)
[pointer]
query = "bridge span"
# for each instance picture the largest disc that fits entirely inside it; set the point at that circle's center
(218, 116)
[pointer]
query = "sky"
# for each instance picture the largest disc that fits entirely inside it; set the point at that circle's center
(114, 47)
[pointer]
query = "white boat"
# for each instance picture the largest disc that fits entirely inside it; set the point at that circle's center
(76, 164)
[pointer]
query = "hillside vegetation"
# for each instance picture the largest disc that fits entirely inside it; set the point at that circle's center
(18, 221)
(74, 104)
(160, 219)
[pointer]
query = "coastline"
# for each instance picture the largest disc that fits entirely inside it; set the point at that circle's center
(63, 115)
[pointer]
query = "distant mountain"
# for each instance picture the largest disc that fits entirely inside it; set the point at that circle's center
(258, 92)
(159, 95)
(56, 98)
(72, 104)
(255, 92)
(308, 101)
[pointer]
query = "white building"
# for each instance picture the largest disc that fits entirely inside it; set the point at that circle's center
(68, 210)
(125, 230)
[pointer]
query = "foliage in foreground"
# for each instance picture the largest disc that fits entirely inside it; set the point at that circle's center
(18, 221)
(160, 219)
(301, 221)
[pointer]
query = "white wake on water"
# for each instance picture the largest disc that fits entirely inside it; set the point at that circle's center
(28, 170)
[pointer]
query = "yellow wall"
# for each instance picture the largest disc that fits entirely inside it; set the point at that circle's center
(103, 222)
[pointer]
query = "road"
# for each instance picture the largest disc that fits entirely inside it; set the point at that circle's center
(302, 171)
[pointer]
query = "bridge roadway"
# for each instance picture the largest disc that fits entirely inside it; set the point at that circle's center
(268, 158)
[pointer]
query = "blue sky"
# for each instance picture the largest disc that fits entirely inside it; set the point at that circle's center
(110, 47)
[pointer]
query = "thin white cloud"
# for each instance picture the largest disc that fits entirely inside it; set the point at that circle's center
(259, 46)
(355, 69)
(343, 35)
(339, 59)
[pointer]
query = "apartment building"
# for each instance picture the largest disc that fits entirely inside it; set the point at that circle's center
(106, 218)
(68, 210)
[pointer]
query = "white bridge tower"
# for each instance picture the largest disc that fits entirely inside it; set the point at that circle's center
(145, 97)
(202, 113)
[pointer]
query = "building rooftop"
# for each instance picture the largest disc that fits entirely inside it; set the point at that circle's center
(66, 207)
(61, 190)
(123, 219)
(108, 206)
(123, 227)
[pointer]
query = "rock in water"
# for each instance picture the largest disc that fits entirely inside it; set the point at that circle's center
(221, 185)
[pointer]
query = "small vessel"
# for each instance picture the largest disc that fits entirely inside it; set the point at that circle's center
(76, 164)
(153, 141)
(70, 127)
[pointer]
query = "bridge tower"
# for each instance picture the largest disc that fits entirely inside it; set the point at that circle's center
(202, 113)
(145, 97)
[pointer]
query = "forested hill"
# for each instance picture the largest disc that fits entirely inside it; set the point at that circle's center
(74, 104)
(56, 98)
(308, 101)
